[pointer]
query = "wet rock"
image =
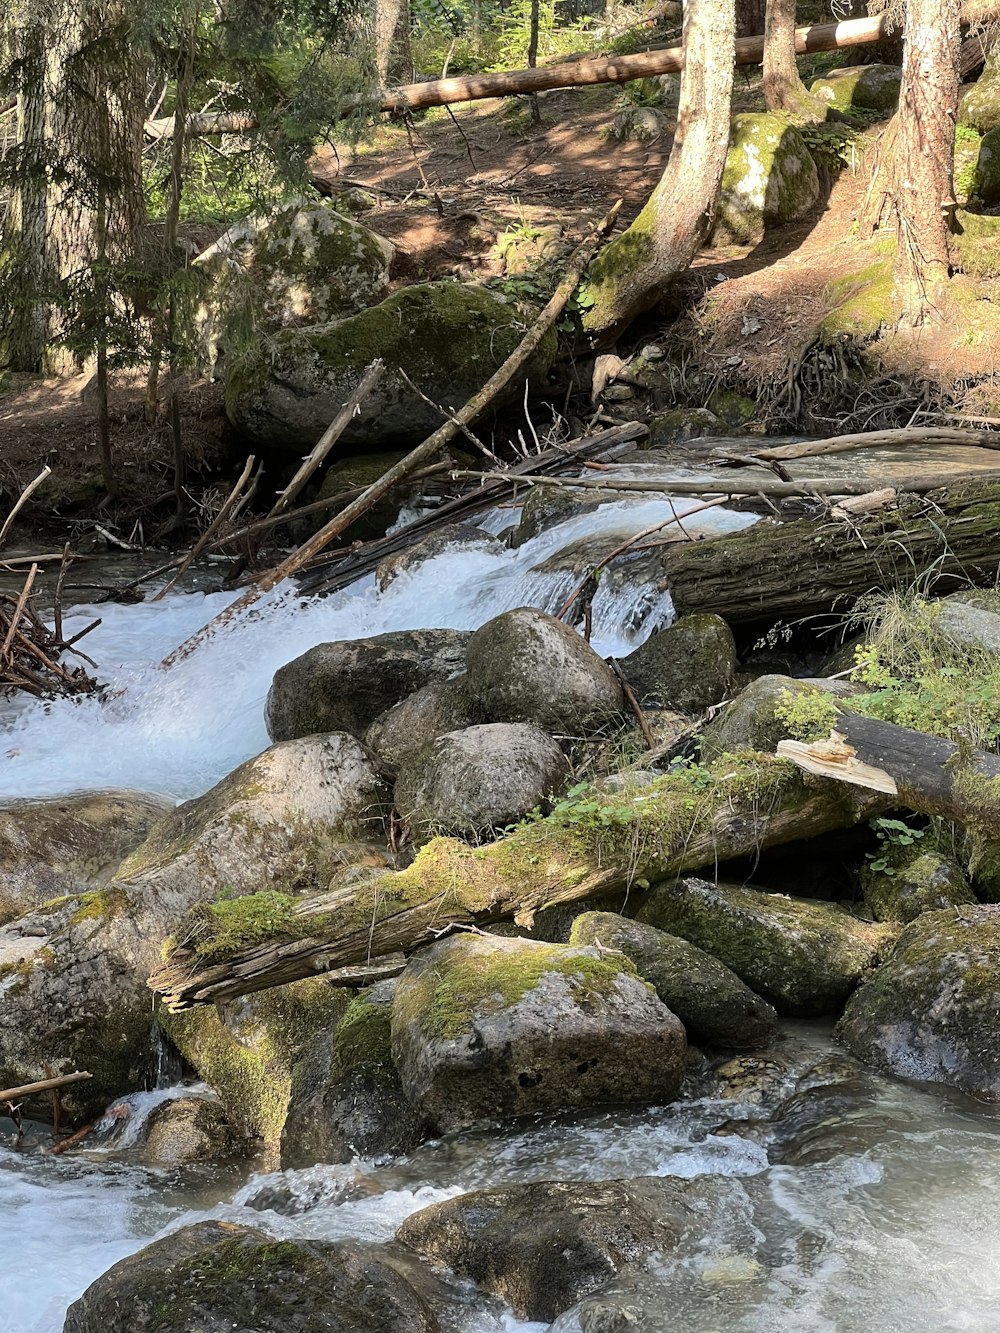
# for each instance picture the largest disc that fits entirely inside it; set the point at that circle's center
(345, 686)
(409, 726)
(485, 1028)
(749, 722)
(929, 1013)
(805, 957)
(874, 87)
(448, 338)
(689, 666)
(526, 666)
(347, 474)
(681, 425)
(714, 1005)
(455, 538)
(68, 843)
(215, 1277)
(769, 178)
(473, 783)
(545, 507)
(346, 1097)
(915, 881)
(544, 1246)
(188, 1130)
(751, 1079)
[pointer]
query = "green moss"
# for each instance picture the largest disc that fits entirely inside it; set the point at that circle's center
(769, 177)
(232, 924)
(860, 303)
(870, 87)
(101, 904)
(364, 1038)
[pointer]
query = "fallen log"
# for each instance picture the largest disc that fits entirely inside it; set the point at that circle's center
(672, 827)
(877, 439)
(44, 1085)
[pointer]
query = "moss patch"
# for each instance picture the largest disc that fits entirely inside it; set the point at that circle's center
(860, 303)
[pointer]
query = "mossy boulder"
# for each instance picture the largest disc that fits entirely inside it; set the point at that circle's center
(678, 427)
(346, 1097)
(769, 178)
(754, 720)
(981, 855)
(733, 409)
(689, 666)
(915, 881)
(449, 339)
(453, 539)
(68, 843)
(929, 1013)
(979, 104)
(345, 686)
(486, 1029)
(217, 1276)
(714, 1005)
(475, 782)
(526, 666)
(188, 1130)
(545, 1245)
(867, 87)
(411, 725)
(803, 956)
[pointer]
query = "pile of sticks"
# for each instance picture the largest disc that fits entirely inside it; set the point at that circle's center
(30, 650)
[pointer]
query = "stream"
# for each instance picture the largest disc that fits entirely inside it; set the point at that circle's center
(871, 1207)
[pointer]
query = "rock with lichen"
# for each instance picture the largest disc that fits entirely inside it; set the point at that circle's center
(869, 87)
(408, 727)
(486, 1029)
(688, 666)
(769, 178)
(913, 880)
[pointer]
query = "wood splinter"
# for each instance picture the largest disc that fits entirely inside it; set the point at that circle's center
(836, 758)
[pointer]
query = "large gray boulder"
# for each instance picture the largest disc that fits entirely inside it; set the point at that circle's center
(486, 1028)
(526, 666)
(769, 178)
(929, 1013)
(188, 1130)
(216, 1277)
(345, 686)
(409, 726)
(805, 957)
(689, 666)
(714, 1005)
(475, 782)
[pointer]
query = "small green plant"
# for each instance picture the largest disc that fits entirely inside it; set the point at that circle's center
(892, 835)
(808, 716)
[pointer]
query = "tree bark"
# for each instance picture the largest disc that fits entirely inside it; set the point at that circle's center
(633, 272)
(925, 158)
(749, 17)
(392, 40)
(783, 89)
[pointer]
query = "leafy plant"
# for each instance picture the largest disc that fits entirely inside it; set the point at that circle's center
(892, 835)
(808, 716)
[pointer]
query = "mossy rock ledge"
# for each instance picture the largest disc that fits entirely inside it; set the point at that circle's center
(769, 178)
(449, 339)
(915, 881)
(486, 1029)
(929, 1013)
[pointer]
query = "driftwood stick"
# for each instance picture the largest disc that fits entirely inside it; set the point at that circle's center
(805, 487)
(880, 439)
(23, 499)
(212, 528)
(44, 1085)
(65, 1144)
(22, 601)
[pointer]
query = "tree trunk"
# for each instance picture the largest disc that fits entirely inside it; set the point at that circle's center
(749, 18)
(925, 158)
(783, 89)
(633, 272)
(392, 41)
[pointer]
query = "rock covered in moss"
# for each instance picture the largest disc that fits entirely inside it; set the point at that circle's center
(805, 957)
(448, 338)
(915, 881)
(769, 178)
(346, 1097)
(986, 175)
(345, 686)
(526, 666)
(641, 124)
(217, 1276)
(68, 843)
(411, 725)
(929, 1013)
(755, 719)
(545, 1245)
(187, 1130)
(689, 666)
(475, 782)
(979, 104)
(714, 1005)
(871, 87)
(454, 538)
(679, 426)
(485, 1028)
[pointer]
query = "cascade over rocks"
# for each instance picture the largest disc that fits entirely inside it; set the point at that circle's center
(345, 686)
(688, 666)
(216, 1276)
(472, 783)
(409, 726)
(714, 1005)
(769, 179)
(454, 537)
(805, 957)
(486, 1028)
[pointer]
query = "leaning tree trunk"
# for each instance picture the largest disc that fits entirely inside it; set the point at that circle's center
(925, 158)
(783, 89)
(634, 271)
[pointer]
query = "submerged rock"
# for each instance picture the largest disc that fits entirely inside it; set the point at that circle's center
(916, 881)
(409, 726)
(929, 1013)
(454, 537)
(216, 1276)
(474, 783)
(714, 1005)
(769, 178)
(874, 87)
(689, 666)
(805, 957)
(486, 1028)
(345, 686)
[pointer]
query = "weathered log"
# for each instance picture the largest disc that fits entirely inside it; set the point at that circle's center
(880, 439)
(675, 826)
(43, 1085)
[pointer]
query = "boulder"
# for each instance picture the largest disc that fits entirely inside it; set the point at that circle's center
(641, 124)
(803, 956)
(448, 338)
(545, 1245)
(346, 1097)
(929, 1013)
(749, 722)
(347, 474)
(215, 1277)
(345, 686)
(986, 176)
(872, 87)
(714, 1005)
(189, 1130)
(409, 726)
(486, 1028)
(475, 782)
(971, 620)
(678, 427)
(689, 666)
(769, 178)
(913, 881)
(68, 843)
(453, 538)
(526, 666)
(73, 972)
(979, 104)
(546, 507)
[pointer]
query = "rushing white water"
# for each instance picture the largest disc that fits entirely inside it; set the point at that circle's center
(178, 731)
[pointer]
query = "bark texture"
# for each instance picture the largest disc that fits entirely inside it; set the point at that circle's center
(783, 89)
